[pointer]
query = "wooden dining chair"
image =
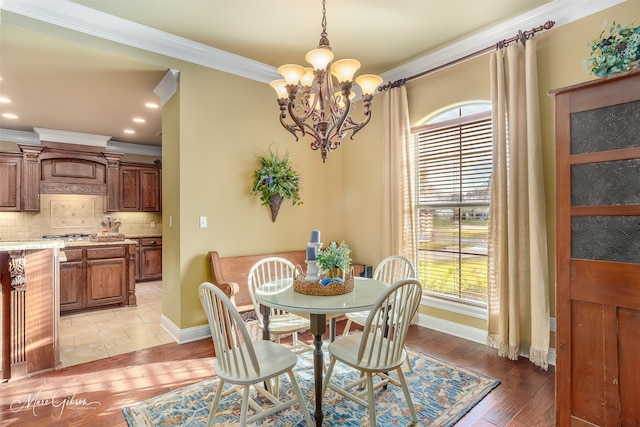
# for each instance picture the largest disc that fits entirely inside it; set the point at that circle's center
(245, 363)
(390, 270)
(379, 349)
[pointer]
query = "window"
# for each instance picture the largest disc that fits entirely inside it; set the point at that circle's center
(454, 160)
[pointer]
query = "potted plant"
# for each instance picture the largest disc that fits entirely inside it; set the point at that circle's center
(334, 260)
(276, 180)
(615, 50)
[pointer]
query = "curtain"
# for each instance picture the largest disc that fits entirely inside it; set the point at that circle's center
(518, 303)
(398, 177)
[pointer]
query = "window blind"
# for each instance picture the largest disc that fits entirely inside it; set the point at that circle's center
(454, 160)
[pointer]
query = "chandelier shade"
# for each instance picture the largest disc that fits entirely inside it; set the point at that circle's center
(319, 101)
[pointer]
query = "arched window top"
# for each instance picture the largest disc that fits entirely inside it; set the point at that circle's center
(457, 112)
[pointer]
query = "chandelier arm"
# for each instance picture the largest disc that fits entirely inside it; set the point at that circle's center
(297, 120)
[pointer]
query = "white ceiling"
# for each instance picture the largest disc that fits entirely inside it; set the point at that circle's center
(58, 78)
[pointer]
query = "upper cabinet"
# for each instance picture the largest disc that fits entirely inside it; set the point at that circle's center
(11, 177)
(53, 168)
(140, 188)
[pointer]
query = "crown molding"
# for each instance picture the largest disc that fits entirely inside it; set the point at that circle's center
(67, 137)
(90, 21)
(168, 86)
(83, 19)
(560, 11)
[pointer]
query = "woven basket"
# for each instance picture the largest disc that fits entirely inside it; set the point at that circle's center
(301, 286)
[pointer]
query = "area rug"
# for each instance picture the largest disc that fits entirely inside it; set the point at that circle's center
(442, 394)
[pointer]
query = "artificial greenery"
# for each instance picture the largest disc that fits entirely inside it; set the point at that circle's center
(614, 49)
(276, 176)
(334, 256)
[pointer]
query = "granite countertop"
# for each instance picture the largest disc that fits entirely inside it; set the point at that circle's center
(144, 236)
(26, 245)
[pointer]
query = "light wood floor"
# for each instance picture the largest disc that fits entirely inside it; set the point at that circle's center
(94, 393)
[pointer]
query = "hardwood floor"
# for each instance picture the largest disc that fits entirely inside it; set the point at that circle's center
(93, 394)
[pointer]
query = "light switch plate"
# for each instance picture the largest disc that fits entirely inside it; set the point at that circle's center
(203, 222)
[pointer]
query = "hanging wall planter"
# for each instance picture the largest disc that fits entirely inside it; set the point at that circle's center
(275, 180)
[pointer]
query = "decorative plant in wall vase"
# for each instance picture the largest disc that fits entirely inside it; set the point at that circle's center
(275, 180)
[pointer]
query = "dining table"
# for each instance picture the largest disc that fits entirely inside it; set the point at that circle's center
(281, 295)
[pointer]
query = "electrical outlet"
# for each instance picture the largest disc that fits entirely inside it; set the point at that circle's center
(153, 224)
(170, 221)
(203, 222)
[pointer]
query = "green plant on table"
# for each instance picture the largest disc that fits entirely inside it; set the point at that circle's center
(334, 257)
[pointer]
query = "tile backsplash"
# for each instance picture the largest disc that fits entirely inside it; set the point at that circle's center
(64, 213)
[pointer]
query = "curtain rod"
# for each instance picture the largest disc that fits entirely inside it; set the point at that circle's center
(522, 36)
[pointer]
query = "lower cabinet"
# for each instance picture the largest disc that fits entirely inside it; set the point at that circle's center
(149, 259)
(97, 276)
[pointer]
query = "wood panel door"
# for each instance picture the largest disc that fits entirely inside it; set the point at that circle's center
(106, 281)
(598, 252)
(11, 178)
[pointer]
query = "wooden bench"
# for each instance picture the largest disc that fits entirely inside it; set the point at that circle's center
(231, 273)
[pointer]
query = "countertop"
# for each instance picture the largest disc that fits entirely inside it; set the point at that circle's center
(27, 245)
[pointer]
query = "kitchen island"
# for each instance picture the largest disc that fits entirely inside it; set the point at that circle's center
(29, 273)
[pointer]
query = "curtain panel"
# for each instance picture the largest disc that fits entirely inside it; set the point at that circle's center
(518, 298)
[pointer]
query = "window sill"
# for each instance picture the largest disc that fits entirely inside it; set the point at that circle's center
(455, 307)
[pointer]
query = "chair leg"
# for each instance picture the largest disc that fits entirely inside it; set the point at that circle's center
(408, 361)
(301, 401)
(327, 376)
(345, 332)
(407, 395)
(216, 402)
(371, 400)
(245, 405)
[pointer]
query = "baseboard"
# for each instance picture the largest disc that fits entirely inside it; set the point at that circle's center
(183, 336)
(466, 332)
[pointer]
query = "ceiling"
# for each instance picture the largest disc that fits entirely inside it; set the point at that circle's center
(59, 76)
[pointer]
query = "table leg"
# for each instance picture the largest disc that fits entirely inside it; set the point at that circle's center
(266, 311)
(318, 328)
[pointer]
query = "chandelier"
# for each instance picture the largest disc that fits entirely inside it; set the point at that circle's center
(320, 110)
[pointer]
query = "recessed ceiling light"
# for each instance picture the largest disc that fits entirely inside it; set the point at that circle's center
(4, 100)
(139, 120)
(9, 116)
(129, 131)
(151, 105)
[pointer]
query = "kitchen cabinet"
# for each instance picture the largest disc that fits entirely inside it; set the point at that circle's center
(97, 276)
(11, 177)
(597, 256)
(140, 188)
(149, 259)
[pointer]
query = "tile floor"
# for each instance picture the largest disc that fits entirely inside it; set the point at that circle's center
(104, 333)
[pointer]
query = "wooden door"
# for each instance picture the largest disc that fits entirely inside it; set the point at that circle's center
(598, 252)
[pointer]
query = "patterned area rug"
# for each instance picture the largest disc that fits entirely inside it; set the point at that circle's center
(442, 394)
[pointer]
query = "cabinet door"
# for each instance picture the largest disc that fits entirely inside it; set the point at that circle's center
(150, 190)
(106, 281)
(10, 176)
(130, 189)
(71, 285)
(150, 259)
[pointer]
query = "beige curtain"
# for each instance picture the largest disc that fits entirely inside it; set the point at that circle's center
(518, 307)
(397, 228)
